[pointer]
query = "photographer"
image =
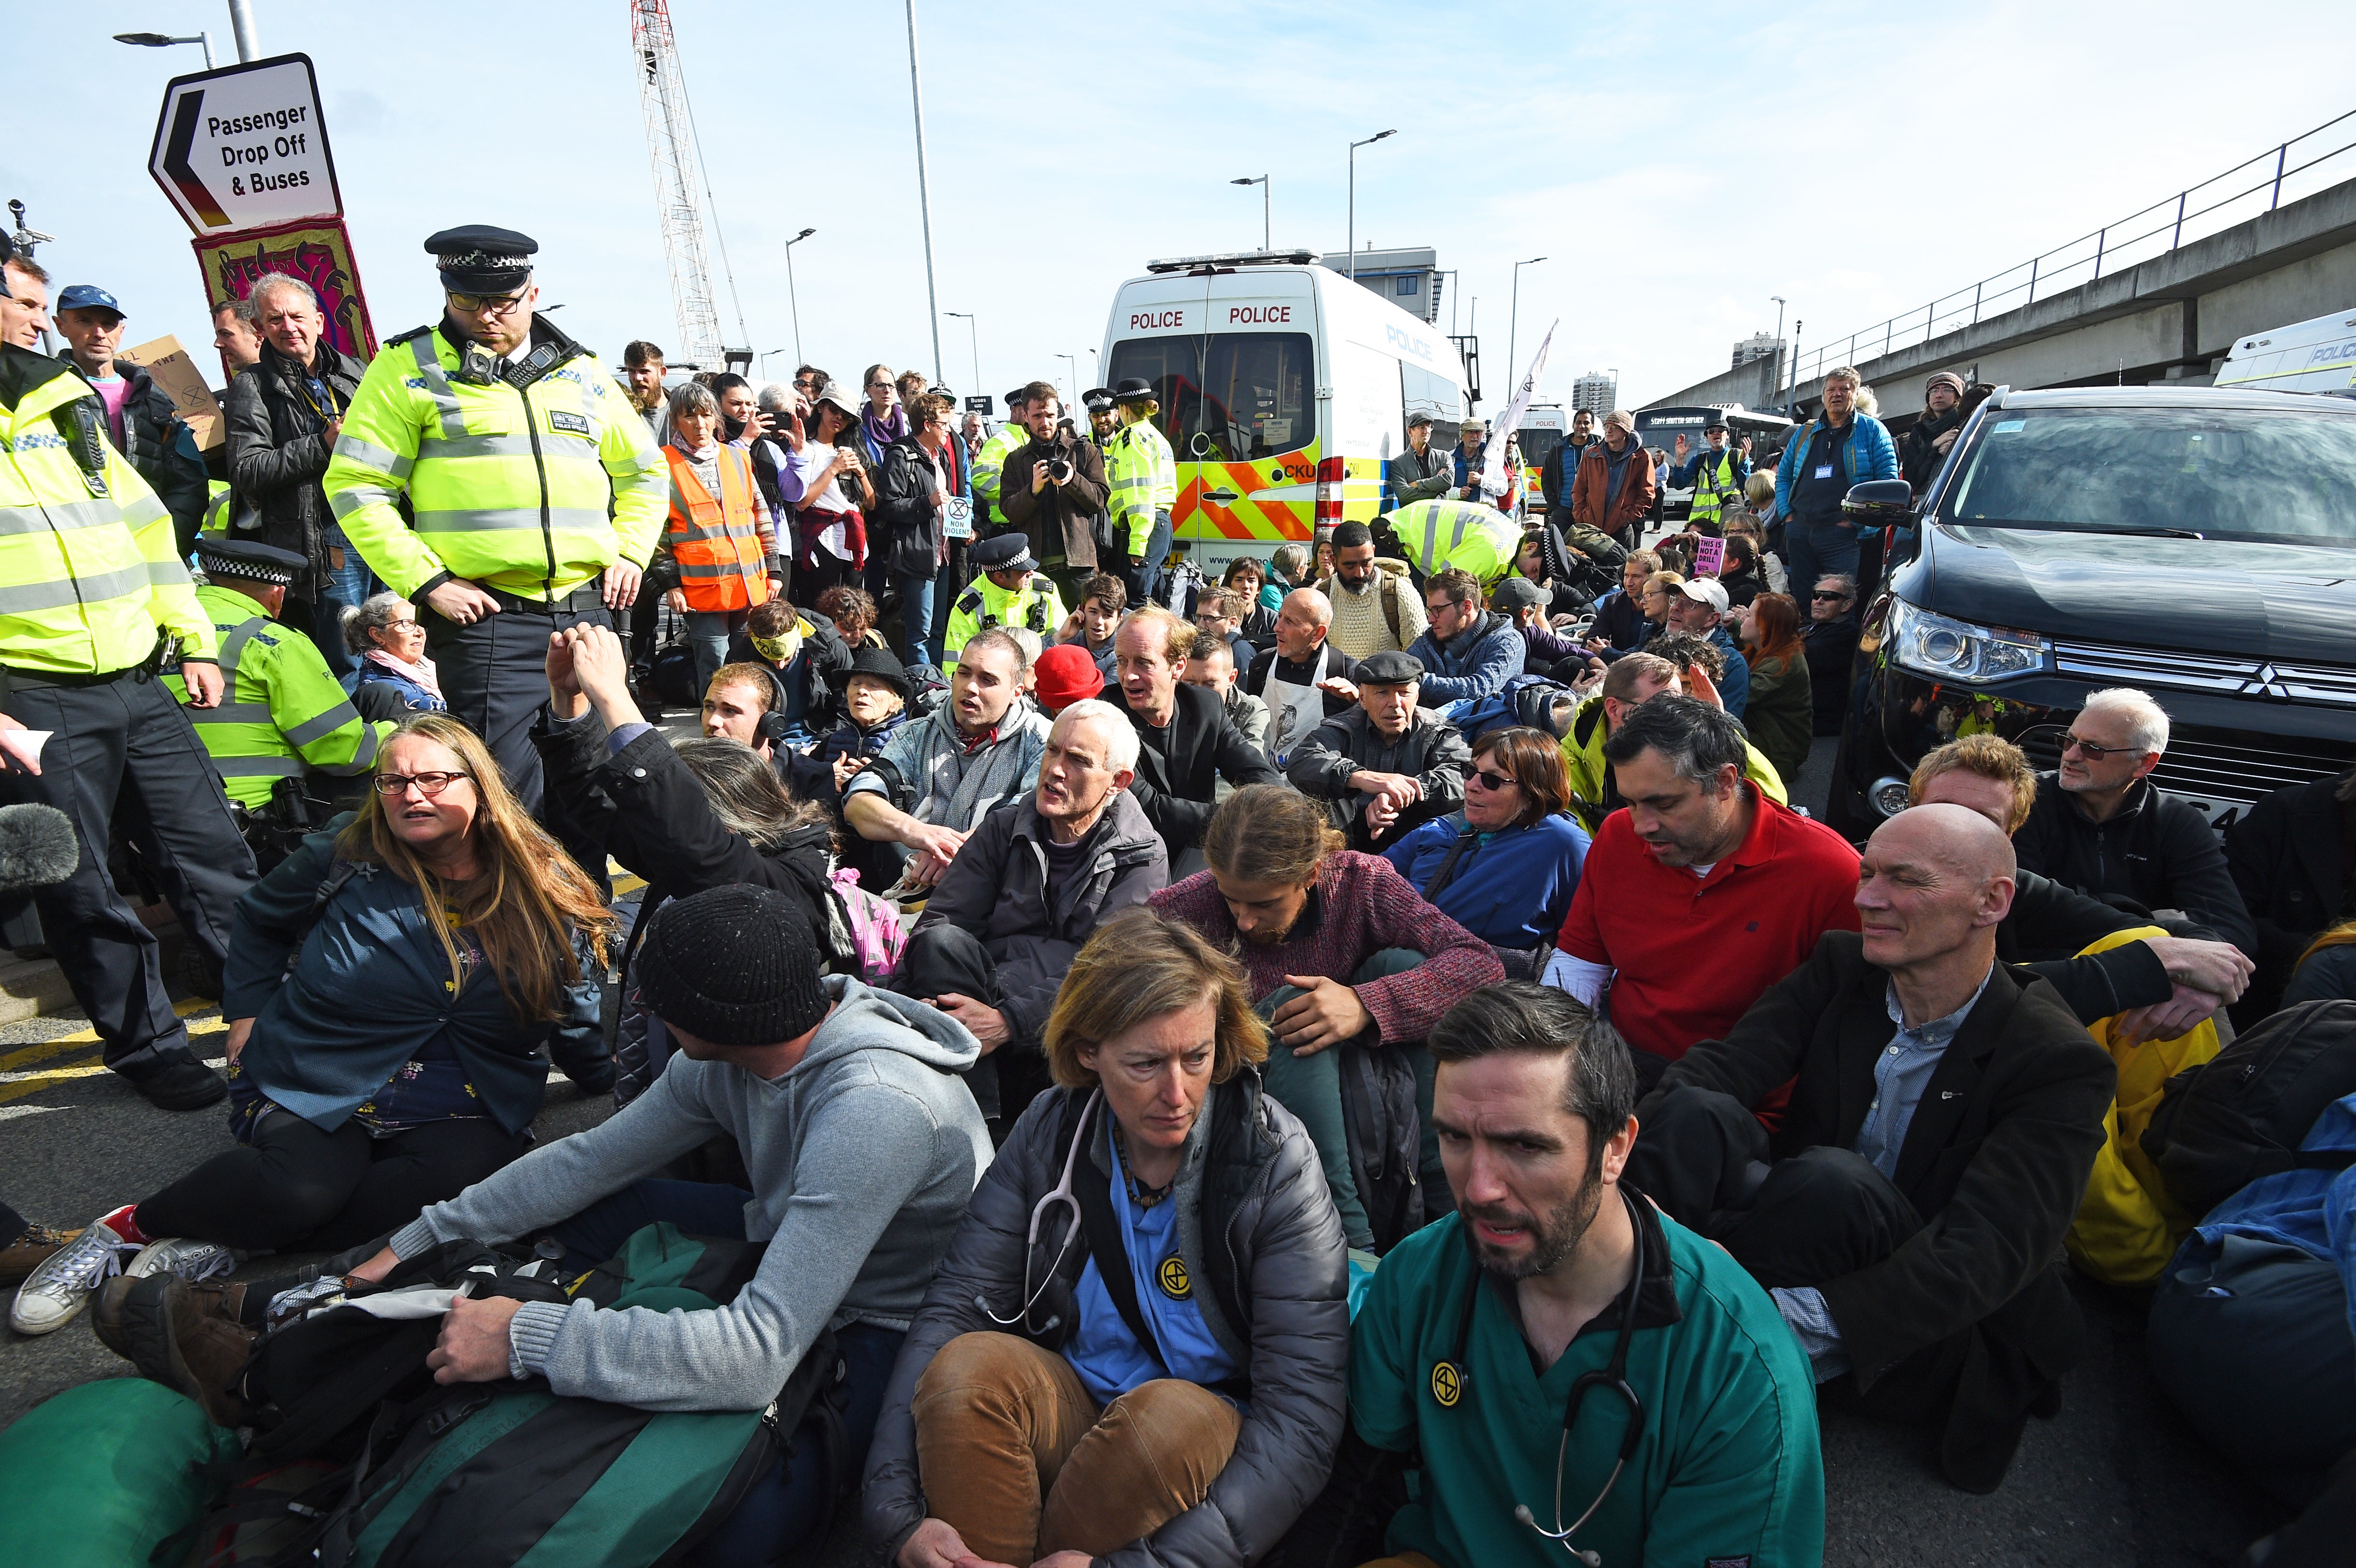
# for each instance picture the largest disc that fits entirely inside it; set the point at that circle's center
(1053, 490)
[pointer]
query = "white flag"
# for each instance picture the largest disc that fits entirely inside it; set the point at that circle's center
(1492, 460)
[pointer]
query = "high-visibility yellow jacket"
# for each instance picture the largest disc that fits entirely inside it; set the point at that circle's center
(282, 710)
(1715, 484)
(984, 604)
(530, 490)
(1142, 478)
(89, 572)
(1583, 765)
(1436, 535)
(990, 463)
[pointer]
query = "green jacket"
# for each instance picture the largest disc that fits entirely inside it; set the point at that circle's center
(1583, 762)
(281, 712)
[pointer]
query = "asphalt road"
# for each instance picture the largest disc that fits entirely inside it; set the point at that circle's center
(2116, 1480)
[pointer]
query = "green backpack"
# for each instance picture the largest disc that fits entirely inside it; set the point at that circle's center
(512, 1473)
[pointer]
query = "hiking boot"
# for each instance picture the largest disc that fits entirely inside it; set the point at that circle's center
(29, 1251)
(186, 1337)
(180, 1083)
(61, 1284)
(176, 1257)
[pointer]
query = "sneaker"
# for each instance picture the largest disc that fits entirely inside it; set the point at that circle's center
(61, 1284)
(186, 1337)
(29, 1251)
(181, 1084)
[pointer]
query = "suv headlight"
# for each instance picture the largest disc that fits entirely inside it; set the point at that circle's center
(1949, 649)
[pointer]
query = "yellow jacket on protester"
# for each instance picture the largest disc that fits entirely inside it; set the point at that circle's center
(532, 490)
(282, 712)
(1142, 477)
(90, 572)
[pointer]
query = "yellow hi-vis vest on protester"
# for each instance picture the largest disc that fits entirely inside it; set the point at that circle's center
(990, 463)
(531, 490)
(281, 712)
(90, 572)
(1714, 485)
(1142, 478)
(1436, 535)
(984, 604)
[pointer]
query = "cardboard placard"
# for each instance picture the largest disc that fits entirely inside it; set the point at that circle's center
(168, 365)
(1710, 557)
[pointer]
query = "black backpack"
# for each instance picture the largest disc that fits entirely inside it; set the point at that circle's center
(2243, 1114)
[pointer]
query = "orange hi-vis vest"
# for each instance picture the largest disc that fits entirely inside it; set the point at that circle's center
(714, 541)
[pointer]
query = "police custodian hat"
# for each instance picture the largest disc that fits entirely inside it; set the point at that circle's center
(1004, 552)
(247, 558)
(480, 259)
(1390, 668)
(1136, 390)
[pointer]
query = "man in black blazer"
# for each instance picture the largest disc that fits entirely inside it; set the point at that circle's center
(1186, 742)
(1945, 1113)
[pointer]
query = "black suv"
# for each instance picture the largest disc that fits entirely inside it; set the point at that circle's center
(2199, 545)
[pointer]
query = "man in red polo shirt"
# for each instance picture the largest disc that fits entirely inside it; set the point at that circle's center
(1699, 895)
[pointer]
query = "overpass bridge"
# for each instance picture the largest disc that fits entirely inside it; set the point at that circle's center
(2157, 297)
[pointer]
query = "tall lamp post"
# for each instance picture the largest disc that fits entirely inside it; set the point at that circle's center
(1073, 389)
(164, 41)
(1778, 392)
(793, 300)
(1261, 181)
(924, 198)
(1353, 194)
(240, 24)
(1514, 319)
(973, 338)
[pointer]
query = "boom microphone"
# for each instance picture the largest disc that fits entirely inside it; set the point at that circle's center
(38, 847)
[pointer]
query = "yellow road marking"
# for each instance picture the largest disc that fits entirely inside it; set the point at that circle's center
(17, 1086)
(66, 1044)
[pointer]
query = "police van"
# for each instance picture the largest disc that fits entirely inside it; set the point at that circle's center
(1285, 390)
(2317, 355)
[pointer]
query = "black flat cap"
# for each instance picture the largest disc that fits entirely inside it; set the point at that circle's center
(1390, 668)
(477, 259)
(249, 560)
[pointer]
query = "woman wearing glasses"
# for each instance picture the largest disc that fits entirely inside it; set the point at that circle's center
(393, 990)
(396, 679)
(1134, 1349)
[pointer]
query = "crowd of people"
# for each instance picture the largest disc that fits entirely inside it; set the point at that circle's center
(1192, 1052)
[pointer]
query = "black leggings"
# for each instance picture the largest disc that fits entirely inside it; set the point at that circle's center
(296, 1187)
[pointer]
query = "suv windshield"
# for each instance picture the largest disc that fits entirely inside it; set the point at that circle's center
(2253, 474)
(1225, 397)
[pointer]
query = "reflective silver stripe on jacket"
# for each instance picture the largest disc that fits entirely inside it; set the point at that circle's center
(27, 598)
(261, 767)
(369, 454)
(59, 516)
(437, 386)
(352, 497)
(515, 445)
(488, 519)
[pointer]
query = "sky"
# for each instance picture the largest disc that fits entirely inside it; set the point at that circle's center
(1674, 167)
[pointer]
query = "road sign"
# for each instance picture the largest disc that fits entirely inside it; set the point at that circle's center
(245, 148)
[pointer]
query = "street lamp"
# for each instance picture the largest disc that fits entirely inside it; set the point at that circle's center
(1261, 181)
(1353, 196)
(764, 360)
(1073, 361)
(974, 339)
(791, 299)
(1513, 318)
(164, 41)
(1779, 349)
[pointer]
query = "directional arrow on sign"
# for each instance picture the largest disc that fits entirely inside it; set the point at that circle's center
(176, 162)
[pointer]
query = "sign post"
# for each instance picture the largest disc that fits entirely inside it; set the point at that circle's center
(245, 148)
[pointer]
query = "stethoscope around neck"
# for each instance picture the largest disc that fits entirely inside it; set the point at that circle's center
(1452, 1379)
(1063, 1197)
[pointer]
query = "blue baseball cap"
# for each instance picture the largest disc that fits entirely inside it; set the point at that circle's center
(88, 296)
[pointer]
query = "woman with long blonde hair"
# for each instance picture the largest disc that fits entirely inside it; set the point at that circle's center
(394, 991)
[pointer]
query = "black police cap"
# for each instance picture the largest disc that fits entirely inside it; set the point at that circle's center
(478, 258)
(1097, 400)
(1136, 390)
(1004, 552)
(248, 558)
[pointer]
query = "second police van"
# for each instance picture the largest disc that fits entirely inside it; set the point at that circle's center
(1285, 390)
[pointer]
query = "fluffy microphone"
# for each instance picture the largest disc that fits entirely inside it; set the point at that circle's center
(38, 847)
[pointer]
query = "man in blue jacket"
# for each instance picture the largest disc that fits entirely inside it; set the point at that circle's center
(1823, 459)
(1465, 651)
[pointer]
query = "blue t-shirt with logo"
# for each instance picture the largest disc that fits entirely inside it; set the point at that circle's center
(1103, 1352)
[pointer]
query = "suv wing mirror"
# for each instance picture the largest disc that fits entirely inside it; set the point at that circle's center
(1879, 503)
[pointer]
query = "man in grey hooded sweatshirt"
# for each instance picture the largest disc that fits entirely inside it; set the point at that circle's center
(863, 1146)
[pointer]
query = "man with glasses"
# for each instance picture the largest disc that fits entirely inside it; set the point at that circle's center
(535, 489)
(1466, 652)
(2101, 826)
(1829, 634)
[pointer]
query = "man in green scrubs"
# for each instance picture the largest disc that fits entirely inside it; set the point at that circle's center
(1566, 1271)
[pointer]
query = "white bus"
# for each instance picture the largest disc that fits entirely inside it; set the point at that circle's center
(1285, 390)
(2317, 355)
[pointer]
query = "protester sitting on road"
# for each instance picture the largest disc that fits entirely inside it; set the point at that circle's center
(1387, 766)
(1549, 652)
(1741, 523)
(1256, 616)
(1702, 893)
(395, 677)
(1699, 607)
(1065, 674)
(1780, 716)
(1558, 596)
(805, 654)
(1212, 667)
(1092, 626)
(2327, 970)
(1341, 952)
(1179, 1402)
(1305, 680)
(1373, 609)
(852, 610)
(2293, 858)
(1628, 684)
(1465, 651)
(685, 817)
(1035, 880)
(1219, 617)
(1620, 624)
(1944, 1114)
(874, 703)
(1741, 577)
(1504, 866)
(1189, 744)
(862, 1146)
(2102, 827)
(390, 990)
(937, 777)
(1479, 1336)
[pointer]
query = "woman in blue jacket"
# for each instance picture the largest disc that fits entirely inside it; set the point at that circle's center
(1506, 866)
(443, 948)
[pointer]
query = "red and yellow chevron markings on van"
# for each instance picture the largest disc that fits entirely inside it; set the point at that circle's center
(1243, 518)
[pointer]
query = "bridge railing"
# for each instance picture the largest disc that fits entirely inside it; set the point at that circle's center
(2298, 167)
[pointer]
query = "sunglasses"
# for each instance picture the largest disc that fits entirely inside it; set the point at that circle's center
(1829, 598)
(2092, 752)
(1489, 780)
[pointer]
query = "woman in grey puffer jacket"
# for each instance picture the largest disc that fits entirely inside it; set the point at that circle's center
(1182, 1405)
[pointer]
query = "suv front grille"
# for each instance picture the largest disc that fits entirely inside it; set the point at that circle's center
(2325, 686)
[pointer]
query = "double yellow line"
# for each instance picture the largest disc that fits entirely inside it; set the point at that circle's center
(17, 1082)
